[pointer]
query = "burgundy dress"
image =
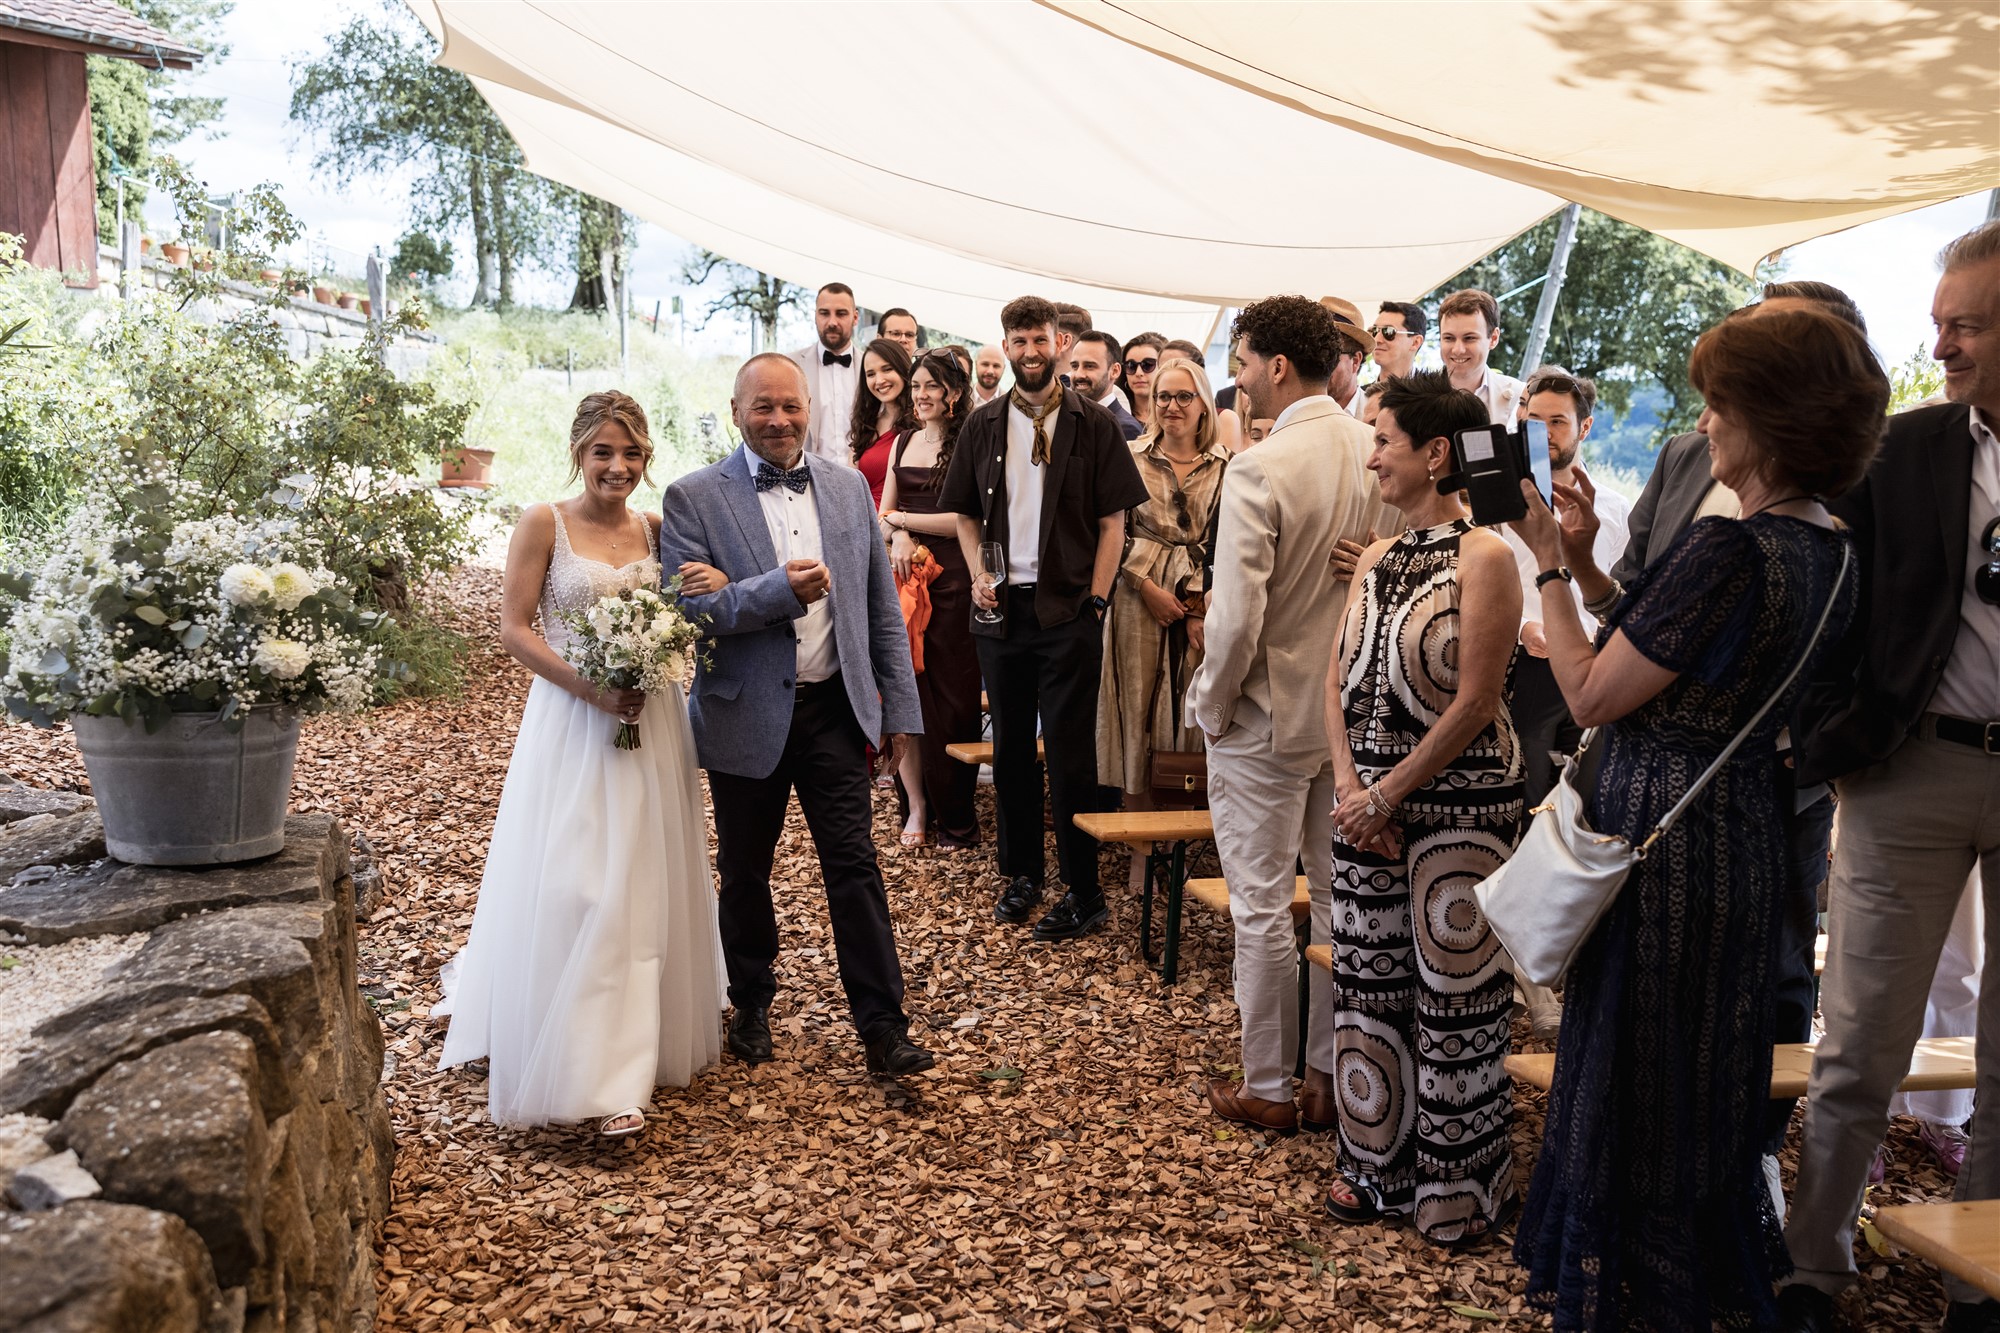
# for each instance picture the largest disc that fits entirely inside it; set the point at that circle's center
(949, 685)
(874, 464)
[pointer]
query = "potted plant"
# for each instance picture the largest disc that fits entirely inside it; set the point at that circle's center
(363, 306)
(347, 300)
(145, 245)
(182, 640)
(175, 253)
(270, 275)
(205, 261)
(324, 292)
(467, 468)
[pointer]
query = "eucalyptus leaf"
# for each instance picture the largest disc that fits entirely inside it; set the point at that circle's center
(194, 636)
(52, 663)
(152, 615)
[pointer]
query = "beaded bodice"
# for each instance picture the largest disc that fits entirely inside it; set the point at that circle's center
(574, 582)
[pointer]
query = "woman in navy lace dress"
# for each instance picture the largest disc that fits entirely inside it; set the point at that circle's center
(1648, 1206)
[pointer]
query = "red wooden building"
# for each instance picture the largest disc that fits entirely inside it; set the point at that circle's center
(48, 188)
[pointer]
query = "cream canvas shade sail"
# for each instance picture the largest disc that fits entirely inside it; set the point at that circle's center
(1737, 127)
(1002, 135)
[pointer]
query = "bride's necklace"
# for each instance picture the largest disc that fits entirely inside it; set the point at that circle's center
(624, 530)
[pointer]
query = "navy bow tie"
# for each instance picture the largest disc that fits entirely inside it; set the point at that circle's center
(769, 478)
(829, 358)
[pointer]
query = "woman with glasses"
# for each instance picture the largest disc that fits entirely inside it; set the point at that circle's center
(880, 411)
(1152, 630)
(939, 788)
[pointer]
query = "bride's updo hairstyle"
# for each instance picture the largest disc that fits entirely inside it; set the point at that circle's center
(600, 409)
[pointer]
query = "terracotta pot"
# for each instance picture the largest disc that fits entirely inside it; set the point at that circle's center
(363, 306)
(177, 255)
(347, 300)
(270, 274)
(466, 468)
(145, 245)
(205, 263)
(324, 294)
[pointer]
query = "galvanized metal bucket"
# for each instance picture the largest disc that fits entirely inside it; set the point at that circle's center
(194, 792)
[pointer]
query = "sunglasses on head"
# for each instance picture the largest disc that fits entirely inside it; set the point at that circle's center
(1986, 577)
(1389, 333)
(1140, 365)
(1179, 397)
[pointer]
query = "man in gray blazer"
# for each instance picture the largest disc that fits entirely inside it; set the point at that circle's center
(808, 661)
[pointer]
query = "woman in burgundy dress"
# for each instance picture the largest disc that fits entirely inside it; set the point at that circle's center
(881, 410)
(940, 789)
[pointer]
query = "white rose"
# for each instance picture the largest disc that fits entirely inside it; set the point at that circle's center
(291, 585)
(282, 659)
(246, 585)
(601, 621)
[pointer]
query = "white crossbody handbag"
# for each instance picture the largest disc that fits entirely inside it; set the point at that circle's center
(1549, 896)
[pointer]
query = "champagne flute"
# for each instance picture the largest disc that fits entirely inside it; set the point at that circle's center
(992, 573)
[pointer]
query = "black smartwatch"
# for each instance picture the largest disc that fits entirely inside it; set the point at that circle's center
(1549, 576)
(1099, 605)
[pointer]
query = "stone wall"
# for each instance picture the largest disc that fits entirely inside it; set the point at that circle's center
(197, 1141)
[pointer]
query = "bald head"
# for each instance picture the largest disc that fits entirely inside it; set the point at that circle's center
(770, 407)
(988, 367)
(766, 363)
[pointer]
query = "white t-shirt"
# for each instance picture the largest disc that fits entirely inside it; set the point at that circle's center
(1970, 685)
(1614, 516)
(1024, 494)
(792, 518)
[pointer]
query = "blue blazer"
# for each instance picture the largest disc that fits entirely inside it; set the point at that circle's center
(741, 704)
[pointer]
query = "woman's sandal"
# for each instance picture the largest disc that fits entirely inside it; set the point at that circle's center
(1472, 1240)
(1355, 1210)
(623, 1125)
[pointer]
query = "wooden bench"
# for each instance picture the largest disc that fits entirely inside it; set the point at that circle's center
(1147, 829)
(1961, 1238)
(980, 752)
(1215, 893)
(1937, 1064)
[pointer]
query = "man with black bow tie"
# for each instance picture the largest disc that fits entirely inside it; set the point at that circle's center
(833, 372)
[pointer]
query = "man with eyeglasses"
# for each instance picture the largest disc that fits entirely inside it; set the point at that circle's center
(1468, 331)
(1399, 335)
(900, 326)
(1907, 725)
(1093, 372)
(1142, 359)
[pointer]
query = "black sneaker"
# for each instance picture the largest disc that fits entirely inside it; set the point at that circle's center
(1071, 917)
(1804, 1309)
(897, 1056)
(1017, 901)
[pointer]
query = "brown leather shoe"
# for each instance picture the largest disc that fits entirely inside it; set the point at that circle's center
(1319, 1110)
(1230, 1103)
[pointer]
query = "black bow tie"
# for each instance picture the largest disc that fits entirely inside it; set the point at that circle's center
(831, 358)
(769, 478)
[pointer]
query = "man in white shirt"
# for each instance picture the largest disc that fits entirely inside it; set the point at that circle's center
(1468, 331)
(1093, 372)
(832, 368)
(1344, 385)
(988, 368)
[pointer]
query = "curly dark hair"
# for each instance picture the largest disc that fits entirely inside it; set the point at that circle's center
(866, 422)
(1302, 331)
(1426, 406)
(1029, 312)
(1804, 385)
(943, 367)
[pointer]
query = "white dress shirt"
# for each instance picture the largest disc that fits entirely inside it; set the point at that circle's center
(832, 389)
(1502, 395)
(1292, 411)
(1357, 402)
(1024, 494)
(1614, 515)
(792, 518)
(1970, 685)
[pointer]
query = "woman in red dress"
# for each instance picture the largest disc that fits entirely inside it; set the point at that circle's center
(881, 411)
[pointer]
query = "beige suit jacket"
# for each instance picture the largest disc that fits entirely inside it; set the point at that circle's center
(1274, 610)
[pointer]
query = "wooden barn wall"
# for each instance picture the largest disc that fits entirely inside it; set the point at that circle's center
(48, 191)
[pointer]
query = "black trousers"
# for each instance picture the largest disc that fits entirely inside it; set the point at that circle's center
(1795, 994)
(824, 761)
(1051, 674)
(1542, 721)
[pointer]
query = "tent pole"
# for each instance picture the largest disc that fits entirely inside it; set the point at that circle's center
(1545, 309)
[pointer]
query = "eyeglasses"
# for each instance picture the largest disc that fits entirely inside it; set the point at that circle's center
(1140, 365)
(1389, 333)
(1986, 577)
(1178, 397)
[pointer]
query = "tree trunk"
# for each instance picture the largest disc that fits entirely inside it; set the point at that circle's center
(592, 292)
(503, 235)
(767, 312)
(482, 236)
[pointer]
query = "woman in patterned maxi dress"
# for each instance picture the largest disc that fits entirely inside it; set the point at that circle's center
(1429, 776)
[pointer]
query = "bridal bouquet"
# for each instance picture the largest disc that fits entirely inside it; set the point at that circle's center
(639, 639)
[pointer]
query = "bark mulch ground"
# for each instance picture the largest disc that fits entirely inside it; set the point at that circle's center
(1058, 1169)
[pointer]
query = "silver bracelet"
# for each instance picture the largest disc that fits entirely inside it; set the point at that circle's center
(1603, 605)
(1380, 803)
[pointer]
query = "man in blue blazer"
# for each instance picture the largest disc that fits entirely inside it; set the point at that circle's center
(808, 661)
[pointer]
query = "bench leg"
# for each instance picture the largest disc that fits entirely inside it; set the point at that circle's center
(1304, 934)
(1146, 906)
(1170, 963)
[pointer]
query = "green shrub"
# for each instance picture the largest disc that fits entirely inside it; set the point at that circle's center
(421, 658)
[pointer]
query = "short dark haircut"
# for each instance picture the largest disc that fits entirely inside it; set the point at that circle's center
(838, 289)
(1072, 319)
(1581, 389)
(1414, 318)
(1028, 312)
(1471, 301)
(1297, 328)
(1375, 389)
(1426, 406)
(1147, 339)
(1804, 385)
(894, 311)
(1112, 351)
(1188, 350)
(1825, 294)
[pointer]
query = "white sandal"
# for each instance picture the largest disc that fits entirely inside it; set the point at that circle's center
(605, 1126)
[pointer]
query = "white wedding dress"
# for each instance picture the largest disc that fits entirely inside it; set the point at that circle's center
(594, 970)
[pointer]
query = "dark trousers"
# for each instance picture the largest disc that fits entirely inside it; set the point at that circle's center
(1808, 834)
(1542, 721)
(1051, 674)
(824, 762)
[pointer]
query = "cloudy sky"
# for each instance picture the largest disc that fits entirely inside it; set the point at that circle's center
(1887, 266)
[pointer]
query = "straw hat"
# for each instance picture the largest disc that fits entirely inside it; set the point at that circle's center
(1348, 315)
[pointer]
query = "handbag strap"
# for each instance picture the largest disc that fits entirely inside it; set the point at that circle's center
(1680, 806)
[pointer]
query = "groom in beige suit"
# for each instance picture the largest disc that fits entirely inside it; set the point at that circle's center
(1259, 696)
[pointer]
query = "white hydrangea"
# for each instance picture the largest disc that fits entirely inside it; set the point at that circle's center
(246, 585)
(283, 659)
(291, 585)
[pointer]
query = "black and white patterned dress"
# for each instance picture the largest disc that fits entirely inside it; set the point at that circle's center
(1425, 992)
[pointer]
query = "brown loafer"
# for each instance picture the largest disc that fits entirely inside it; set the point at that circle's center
(1230, 1103)
(1318, 1108)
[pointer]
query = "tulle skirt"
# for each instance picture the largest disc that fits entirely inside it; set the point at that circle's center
(594, 971)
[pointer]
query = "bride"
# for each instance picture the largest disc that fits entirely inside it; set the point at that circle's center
(593, 973)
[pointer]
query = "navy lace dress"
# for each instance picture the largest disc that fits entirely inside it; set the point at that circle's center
(1648, 1207)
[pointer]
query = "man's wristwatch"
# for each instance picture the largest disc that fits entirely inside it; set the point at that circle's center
(1548, 576)
(1099, 605)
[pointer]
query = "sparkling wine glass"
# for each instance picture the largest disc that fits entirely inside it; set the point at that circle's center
(992, 573)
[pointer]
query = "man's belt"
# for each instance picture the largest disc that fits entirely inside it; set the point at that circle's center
(1979, 735)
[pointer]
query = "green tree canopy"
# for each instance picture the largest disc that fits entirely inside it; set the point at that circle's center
(136, 112)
